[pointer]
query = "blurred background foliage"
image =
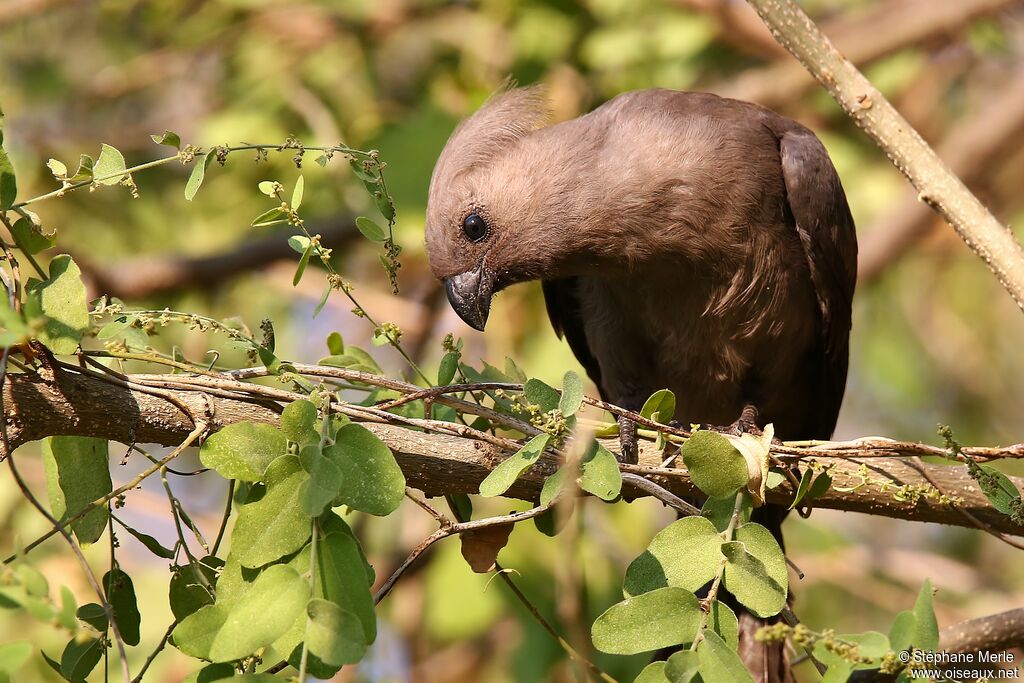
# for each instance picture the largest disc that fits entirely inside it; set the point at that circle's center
(935, 338)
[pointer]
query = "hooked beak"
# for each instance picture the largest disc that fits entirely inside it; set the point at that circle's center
(470, 294)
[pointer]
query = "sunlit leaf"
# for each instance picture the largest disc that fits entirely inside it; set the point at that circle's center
(372, 480)
(109, 168)
(755, 571)
(718, 662)
(167, 138)
(684, 554)
(243, 450)
(77, 473)
(275, 525)
(505, 474)
(599, 473)
(61, 298)
(195, 178)
(661, 618)
(715, 466)
(572, 394)
(370, 229)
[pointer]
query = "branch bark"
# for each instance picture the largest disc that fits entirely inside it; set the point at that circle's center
(67, 402)
(906, 149)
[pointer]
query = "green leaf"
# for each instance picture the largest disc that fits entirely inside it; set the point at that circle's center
(323, 300)
(268, 187)
(652, 673)
(539, 393)
(926, 635)
(84, 172)
(66, 616)
(109, 168)
(755, 570)
(505, 474)
(300, 184)
(30, 237)
(167, 138)
(553, 486)
(94, 615)
(903, 631)
(819, 487)
(335, 344)
(370, 229)
(801, 490)
(33, 581)
(14, 329)
(13, 655)
(152, 545)
(720, 510)
(195, 634)
(446, 372)
(270, 217)
(243, 450)
(62, 299)
(660, 407)
(720, 663)
(298, 422)
(715, 466)
(301, 268)
(195, 179)
(323, 484)
(683, 667)
(384, 205)
(661, 618)
(8, 183)
(299, 243)
(191, 586)
(121, 595)
(870, 645)
(599, 473)
(999, 489)
(77, 473)
(344, 579)
(264, 613)
(572, 394)
(275, 525)
(373, 482)
(80, 658)
(684, 554)
(211, 673)
(333, 634)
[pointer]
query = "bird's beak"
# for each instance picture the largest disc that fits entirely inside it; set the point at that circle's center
(470, 294)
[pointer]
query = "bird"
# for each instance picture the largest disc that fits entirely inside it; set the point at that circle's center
(682, 240)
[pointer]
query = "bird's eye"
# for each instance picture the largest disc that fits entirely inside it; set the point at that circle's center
(474, 227)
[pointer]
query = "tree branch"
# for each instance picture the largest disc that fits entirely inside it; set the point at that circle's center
(935, 183)
(68, 401)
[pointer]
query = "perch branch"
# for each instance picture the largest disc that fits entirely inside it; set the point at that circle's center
(447, 458)
(935, 183)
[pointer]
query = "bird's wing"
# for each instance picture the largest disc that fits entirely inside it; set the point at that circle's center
(563, 305)
(825, 226)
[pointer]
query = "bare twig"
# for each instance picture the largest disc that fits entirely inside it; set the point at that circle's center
(936, 184)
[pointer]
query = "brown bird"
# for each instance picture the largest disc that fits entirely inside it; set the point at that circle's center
(684, 241)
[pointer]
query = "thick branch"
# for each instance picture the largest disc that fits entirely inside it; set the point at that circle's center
(1003, 631)
(935, 183)
(72, 403)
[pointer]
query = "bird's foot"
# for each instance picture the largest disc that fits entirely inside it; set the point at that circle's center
(627, 441)
(746, 423)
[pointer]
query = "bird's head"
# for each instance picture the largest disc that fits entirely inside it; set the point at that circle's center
(483, 204)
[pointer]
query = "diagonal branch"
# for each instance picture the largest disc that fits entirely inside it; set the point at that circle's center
(936, 184)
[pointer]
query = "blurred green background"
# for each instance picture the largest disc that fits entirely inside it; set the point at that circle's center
(935, 338)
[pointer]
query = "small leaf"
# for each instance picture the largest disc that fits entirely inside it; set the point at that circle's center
(61, 298)
(77, 473)
(299, 243)
(539, 393)
(715, 466)
(30, 237)
(903, 631)
(243, 450)
(301, 268)
(300, 184)
(720, 511)
(152, 545)
(13, 655)
(109, 168)
(599, 473)
(683, 667)
(324, 481)
(572, 394)
(66, 616)
(801, 490)
(384, 205)
(480, 547)
(8, 183)
(335, 344)
(553, 486)
(195, 179)
(191, 587)
(661, 618)
(80, 658)
(660, 407)
(93, 614)
(870, 645)
(999, 489)
(718, 662)
(342, 572)
(121, 595)
(268, 187)
(683, 554)
(819, 487)
(652, 673)
(298, 422)
(373, 481)
(269, 218)
(84, 172)
(755, 570)
(370, 229)
(446, 372)
(505, 474)
(273, 526)
(333, 634)
(167, 138)
(926, 635)
(33, 581)
(57, 168)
